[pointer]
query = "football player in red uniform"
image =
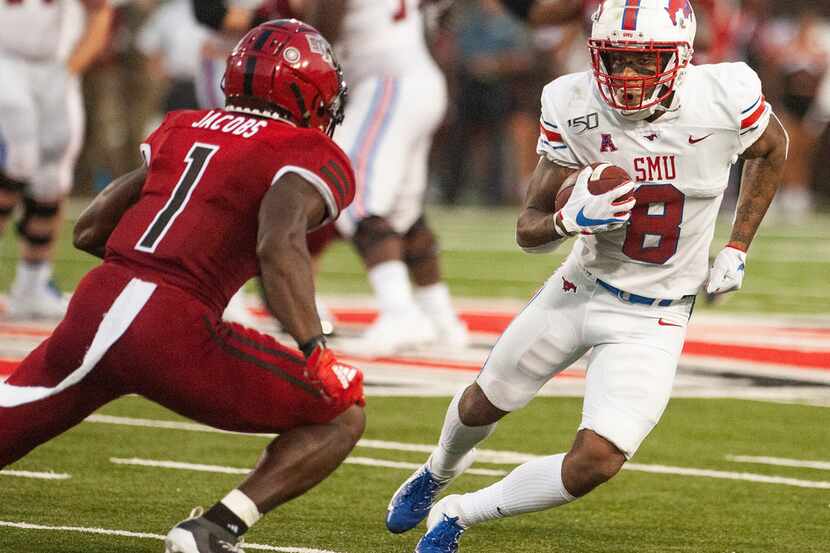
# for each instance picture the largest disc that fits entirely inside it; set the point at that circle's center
(221, 196)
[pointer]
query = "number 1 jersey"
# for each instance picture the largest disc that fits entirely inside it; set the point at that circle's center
(195, 223)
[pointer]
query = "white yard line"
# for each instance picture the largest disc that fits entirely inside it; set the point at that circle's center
(145, 535)
(726, 475)
(497, 456)
(779, 461)
(41, 475)
(365, 461)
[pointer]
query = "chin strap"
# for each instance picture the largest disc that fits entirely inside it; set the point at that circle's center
(648, 112)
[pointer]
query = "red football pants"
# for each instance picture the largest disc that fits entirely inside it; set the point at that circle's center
(174, 351)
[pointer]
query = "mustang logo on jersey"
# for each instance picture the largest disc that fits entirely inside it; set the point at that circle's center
(568, 286)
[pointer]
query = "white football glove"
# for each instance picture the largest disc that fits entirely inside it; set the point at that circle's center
(727, 272)
(589, 214)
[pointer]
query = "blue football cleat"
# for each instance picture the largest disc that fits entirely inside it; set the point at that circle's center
(413, 500)
(441, 538)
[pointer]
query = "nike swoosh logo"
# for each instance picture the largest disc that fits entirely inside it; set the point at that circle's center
(584, 221)
(693, 140)
(663, 322)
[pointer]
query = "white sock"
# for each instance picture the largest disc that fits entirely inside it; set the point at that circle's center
(457, 439)
(242, 506)
(534, 486)
(32, 275)
(435, 301)
(390, 281)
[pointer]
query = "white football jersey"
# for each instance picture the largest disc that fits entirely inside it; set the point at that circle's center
(681, 162)
(381, 37)
(40, 30)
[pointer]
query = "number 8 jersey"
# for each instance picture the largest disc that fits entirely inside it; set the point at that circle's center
(681, 162)
(195, 224)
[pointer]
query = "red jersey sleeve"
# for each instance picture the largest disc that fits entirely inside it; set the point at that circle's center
(318, 160)
(152, 144)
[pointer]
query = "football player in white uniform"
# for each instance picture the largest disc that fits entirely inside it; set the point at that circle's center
(44, 47)
(627, 288)
(397, 100)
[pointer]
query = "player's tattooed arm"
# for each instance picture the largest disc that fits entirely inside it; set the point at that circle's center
(287, 211)
(763, 167)
(535, 229)
(99, 219)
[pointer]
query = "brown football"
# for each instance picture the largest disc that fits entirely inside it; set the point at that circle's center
(604, 178)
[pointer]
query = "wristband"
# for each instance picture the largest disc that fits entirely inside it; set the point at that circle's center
(308, 347)
(740, 246)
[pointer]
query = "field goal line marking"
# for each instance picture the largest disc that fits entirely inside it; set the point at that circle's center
(779, 461)
(496, 456)
(48, 475)
(365, 461)
(145, 535)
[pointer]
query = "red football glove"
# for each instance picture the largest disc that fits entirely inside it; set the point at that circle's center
(341, 384)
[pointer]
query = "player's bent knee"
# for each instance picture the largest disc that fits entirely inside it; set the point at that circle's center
(420, 243)
(31, 224)
(592, 461)
(475, 409)
(353, 421)
(370, 233)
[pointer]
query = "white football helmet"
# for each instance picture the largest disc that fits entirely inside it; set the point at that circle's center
(664, 29)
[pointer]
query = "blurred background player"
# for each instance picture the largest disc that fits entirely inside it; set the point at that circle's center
(397, 100)
(44, 47)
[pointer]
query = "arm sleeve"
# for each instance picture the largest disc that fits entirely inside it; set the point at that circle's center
(319, 161)
(750, 109)
(552, 141)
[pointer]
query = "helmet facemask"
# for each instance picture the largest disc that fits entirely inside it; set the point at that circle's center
(654, 38)
(656, 70)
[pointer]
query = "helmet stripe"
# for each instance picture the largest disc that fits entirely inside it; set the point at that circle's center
(630, 13)
(248, 84)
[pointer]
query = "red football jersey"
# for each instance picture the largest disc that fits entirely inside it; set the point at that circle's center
(195, 224)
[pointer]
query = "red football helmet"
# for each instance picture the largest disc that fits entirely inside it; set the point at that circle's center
(287, 68)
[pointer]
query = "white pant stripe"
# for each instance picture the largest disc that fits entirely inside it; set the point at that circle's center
(121, 314)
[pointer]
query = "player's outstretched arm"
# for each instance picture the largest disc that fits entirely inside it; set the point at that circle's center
(763, 167)
(536, 230)
(99, 219)
(286, 213)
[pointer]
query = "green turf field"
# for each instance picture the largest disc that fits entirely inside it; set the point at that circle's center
(636, 512)
(787, 270)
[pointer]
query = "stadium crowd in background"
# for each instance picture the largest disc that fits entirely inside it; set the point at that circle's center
(495, 65)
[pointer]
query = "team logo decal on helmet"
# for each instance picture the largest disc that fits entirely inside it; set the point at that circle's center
(319, 45)
(639, 53)
(286, 69)
(682, 7)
